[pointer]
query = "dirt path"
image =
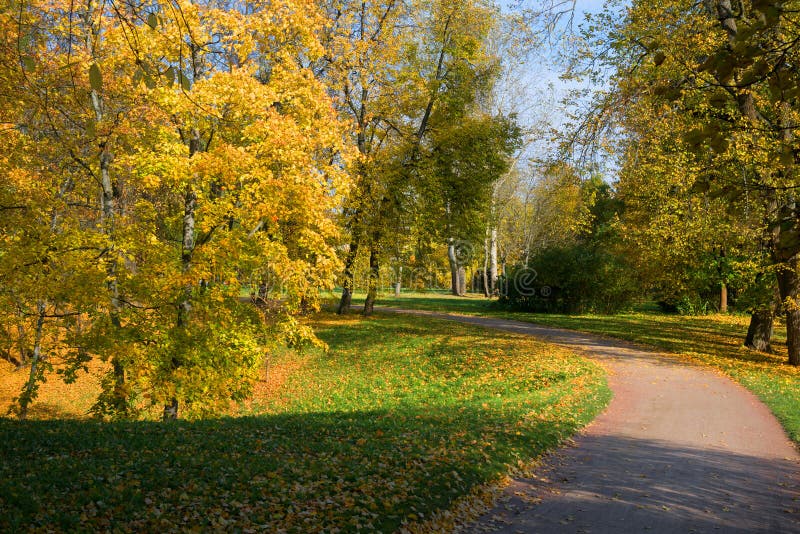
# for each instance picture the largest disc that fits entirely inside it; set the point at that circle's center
(679, 449)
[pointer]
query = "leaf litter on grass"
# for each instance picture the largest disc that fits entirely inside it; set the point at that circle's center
(403, 423)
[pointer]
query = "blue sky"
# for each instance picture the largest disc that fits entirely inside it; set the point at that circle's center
(539, 104)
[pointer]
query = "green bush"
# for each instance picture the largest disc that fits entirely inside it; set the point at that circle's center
(577, 278)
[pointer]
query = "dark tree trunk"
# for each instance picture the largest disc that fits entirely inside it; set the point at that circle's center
(453, 261)
(348, 284)
(759, 333)
(789, 286)
(372, 284)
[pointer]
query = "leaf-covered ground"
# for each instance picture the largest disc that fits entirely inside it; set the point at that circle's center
(715, 340)
(401, 418)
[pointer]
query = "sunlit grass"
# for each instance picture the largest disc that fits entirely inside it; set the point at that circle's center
(715, 340)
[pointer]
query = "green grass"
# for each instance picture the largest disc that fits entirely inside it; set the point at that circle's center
(715, 340)
(402, 417)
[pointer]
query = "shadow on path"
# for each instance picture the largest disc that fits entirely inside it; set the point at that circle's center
(606, 483)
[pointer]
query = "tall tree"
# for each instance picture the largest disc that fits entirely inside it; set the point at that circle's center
(362, 66)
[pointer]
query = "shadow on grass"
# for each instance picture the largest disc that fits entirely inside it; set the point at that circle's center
(302, 473)
(316, 472)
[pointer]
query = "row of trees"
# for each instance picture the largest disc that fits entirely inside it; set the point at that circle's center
(415, 87)
(162, 159)
(700, 117)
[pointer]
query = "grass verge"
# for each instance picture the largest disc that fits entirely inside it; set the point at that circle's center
(714, 340)
(401, 418)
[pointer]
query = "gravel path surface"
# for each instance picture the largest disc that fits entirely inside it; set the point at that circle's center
(679, 449)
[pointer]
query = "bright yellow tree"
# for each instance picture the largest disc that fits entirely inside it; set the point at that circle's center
(209, 160)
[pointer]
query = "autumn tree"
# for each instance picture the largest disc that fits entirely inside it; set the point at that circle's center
(463, 165)
(192, 155)
(364, 44)
(403, 74)
(62, 132)
(722, 76)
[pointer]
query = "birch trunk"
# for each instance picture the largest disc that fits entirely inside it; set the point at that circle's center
(187, 249)
(31, 386)
(493, 262)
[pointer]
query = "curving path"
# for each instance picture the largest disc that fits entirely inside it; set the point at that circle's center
(680, 449)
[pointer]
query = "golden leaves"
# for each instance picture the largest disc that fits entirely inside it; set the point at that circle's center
(208, 100)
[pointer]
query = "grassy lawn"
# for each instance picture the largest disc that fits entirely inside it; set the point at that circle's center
(714, 340)
(401, 418)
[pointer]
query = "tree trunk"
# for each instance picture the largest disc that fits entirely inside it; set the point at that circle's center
(187, 249)
(372, 284)
(485, 270)
(348, 283)
(759, 333)
(493, 262)
(29, 392)
(462, 281)
(22, 346)
(119, 397)
(109, 206)
(789, 286)
(399, 284)
(171, 410)
(723, 298)
(453, 261)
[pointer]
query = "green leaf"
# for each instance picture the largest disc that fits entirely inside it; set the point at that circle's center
(659, 58)
(733, 194)
(718, 99)
(95, 77)
(170, 75)
(719, 144)
(668, 91)
(149, 82)
(787, 157)
(152, 21)
(700, 186)
(695, 137)
(28, 62)
(755, 73)
(186, 84)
